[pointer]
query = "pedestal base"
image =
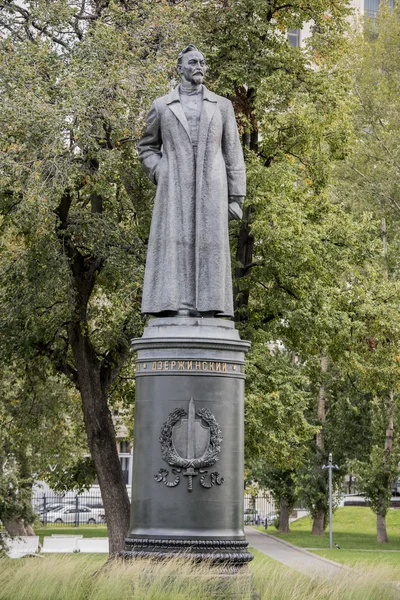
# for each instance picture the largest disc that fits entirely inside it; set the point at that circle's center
(187, 489)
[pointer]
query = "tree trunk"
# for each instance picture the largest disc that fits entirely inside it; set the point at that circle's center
(284, 513)
(381, 527)
(381, 532)
(15, 526)
(101, 439)
(321, 409)
(93, 376)
(318, 526)
(29, 529)
(319, 519)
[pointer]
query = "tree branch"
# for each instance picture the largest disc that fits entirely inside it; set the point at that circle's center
(378, 191)
(30, 21)
(114, 360)
(247, 268)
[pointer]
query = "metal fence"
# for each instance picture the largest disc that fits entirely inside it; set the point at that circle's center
(69, 509)
(87, 509)
(259, 510)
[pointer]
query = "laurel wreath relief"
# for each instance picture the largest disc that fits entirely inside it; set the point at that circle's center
(209, 458)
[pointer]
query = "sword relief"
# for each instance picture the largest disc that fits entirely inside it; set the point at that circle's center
(191, 443)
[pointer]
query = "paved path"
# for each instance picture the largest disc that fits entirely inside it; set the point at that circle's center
(292, 556)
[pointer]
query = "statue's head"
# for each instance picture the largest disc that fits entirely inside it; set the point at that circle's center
(191, 65)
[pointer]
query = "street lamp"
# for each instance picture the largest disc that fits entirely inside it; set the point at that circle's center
(330, 466)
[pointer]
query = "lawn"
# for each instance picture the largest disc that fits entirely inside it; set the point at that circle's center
(387, 562)
(85, 530)
(354, 527)
(83, 577)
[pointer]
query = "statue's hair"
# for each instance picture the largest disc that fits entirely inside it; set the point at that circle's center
(189, 48)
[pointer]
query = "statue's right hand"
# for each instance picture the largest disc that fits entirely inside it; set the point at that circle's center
(156, 172)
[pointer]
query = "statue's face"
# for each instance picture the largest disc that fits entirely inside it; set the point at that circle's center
(193, 67)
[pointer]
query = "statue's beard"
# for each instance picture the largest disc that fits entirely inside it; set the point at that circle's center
(197, 79)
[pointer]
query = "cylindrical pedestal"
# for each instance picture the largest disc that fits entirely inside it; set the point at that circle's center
(187, 489)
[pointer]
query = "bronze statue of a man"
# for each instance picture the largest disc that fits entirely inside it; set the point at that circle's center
(191, 151)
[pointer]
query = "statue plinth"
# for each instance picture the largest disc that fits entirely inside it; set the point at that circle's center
(187, 487)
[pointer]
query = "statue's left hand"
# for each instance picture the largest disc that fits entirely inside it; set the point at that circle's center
(234, 211)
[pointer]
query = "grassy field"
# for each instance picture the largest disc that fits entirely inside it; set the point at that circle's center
(354, 527)
(83, 577)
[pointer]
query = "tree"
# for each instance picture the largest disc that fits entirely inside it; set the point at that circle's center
(75, 208)
(276, 428)
(41, 427)
(369, 180)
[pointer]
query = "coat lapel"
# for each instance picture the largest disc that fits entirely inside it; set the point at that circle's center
(208, 110)
(207, 113)
(174, 104)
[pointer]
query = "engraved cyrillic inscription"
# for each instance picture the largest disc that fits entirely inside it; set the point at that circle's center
(192, 366)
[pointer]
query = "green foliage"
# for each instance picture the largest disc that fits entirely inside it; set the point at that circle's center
(78, 476)
(369, 181)
(294, 109)
(279, 481)
(375, 476)
(15, 498)
(276, 401)
(41, 426)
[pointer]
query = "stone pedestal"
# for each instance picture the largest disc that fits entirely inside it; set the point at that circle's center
(187, 489)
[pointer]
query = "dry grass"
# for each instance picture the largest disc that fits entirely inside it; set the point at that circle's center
(80, 577)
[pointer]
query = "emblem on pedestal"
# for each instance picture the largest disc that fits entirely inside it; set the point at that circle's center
(190, 444)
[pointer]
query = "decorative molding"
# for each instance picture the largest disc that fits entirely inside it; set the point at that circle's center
(215, 478)
(163, 474)
(231, 557)
(216, 551)
(185, 543)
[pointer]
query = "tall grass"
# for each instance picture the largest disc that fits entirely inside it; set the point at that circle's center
(70, 577)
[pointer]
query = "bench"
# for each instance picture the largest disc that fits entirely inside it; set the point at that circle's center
(23, 545)
(60, 544)
(94, 545)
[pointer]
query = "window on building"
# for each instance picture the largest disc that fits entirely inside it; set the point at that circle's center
(125, 463)
(294, 37)
(124, 448)
(371, 8)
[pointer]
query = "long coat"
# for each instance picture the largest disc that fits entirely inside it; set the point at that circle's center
(188, 259)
